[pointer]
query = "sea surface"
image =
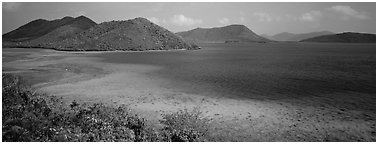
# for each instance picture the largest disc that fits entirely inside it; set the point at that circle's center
(263, 71)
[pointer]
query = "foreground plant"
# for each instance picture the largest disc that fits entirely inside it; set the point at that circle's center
(185, 126)
(28, 116)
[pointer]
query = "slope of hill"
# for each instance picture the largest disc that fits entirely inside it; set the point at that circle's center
(81, 33)
(267, 36)
(231, 33)
(134, 34)
(346, 37)
(285, 36)
(68, 30)
(40, 27)
(303, 36)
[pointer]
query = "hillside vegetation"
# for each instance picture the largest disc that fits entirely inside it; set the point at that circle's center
(82, 34)
(285, 36)
(135, 34)
(42, 27)
(347, 37)
(231, 33)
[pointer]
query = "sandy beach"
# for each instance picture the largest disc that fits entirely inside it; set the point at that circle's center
(79, 76)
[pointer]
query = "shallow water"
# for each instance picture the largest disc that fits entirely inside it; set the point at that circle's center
(263, 71)
(273, 71)
(11, 54)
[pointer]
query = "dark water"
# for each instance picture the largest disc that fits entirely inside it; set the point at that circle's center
(17, 53)
(273, 71)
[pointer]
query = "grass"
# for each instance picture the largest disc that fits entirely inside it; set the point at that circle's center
(29, 116)
(185, 126)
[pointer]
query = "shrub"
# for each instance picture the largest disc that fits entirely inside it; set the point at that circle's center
(98, 122)
(24, 112)
(185, 126)
(28, 116)
(32, 117)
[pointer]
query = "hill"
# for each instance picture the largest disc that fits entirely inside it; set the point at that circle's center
(285, 36)
(299, 37)
(347, 37)
(267, 36)
(68, 30)
(231, 33)
(135, 34)
(41, 27)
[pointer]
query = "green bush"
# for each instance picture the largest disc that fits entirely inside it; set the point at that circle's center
(99, 123)
(28, 116)
(24, 112)
(185, 126)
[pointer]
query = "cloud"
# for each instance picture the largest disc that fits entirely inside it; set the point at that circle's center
(224, 21)
(263, 16)
(348, 11)
(154, 20)
(157, 7)
(308, 17)
(182, 20)
(290, 17)
(164, 21)
(11, 6)
(242, 19)
(311, 16)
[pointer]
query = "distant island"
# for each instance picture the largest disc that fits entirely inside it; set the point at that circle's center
(82, 34)
(226, 34)
(346, 37)
(286, 36)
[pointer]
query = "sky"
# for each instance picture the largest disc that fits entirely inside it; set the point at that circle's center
(262, 18)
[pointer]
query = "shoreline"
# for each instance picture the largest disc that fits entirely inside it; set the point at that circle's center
(125, 51)
(88, 79)
(130, 84)
(101, 51)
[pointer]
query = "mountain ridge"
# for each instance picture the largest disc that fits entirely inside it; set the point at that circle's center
(133, 34)
(68, 30)
(287, 36)
(229, 33)
(40, 27)
(345, 37)
(78, 35)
